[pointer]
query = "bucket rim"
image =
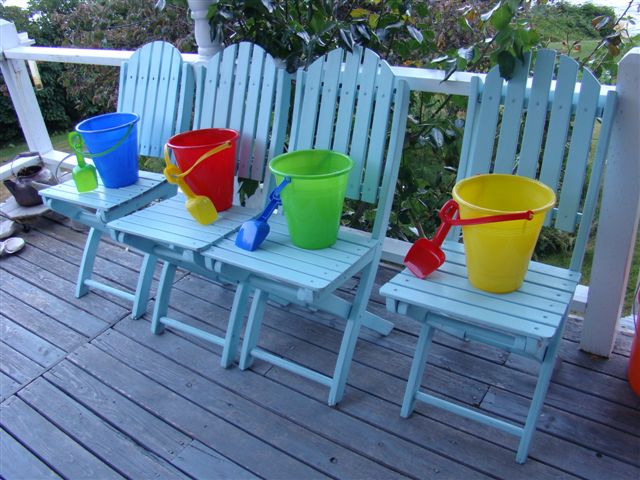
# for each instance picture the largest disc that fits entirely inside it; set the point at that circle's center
(491, 211)
(337, 173)
(234, 137)
(135, 118)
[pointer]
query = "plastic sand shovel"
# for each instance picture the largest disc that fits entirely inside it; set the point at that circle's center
(253, 232)
(426, 256)
(84, 175)
(200, 207)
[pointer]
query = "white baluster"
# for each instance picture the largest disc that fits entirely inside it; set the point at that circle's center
(202, 30)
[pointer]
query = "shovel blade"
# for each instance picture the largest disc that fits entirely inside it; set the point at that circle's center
(424, 257)
(202, 210)
(85, 178)
(251, 234)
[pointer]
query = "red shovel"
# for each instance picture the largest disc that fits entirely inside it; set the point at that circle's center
(426, 256)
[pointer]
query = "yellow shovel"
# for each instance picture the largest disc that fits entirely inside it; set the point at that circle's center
(200, 207)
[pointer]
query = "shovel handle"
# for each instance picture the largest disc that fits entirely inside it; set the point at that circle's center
(274, 200)
(77, 145)
(450, 208)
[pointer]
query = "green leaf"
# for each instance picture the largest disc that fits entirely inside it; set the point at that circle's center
(501, 17)
(506, 64)
(360, 13)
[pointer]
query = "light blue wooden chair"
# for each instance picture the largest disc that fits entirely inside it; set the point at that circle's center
(156, 84)
(351, 103)
(244, 89)
(557, 122)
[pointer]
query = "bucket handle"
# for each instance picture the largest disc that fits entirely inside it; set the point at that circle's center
(450, 208)
(204, 156)
(77, 144)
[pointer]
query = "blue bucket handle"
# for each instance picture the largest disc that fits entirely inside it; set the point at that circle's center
(77, 144)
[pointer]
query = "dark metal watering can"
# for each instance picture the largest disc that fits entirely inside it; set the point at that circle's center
(25, 184)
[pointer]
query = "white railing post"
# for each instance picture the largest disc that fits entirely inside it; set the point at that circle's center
(16, 76)
(619, 215)
(201, 29)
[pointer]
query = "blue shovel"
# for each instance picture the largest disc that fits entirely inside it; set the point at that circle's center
(253, 232)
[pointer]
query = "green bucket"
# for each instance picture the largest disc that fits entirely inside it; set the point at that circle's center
(314, 198)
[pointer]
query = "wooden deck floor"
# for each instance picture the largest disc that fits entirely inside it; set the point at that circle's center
(89, 393)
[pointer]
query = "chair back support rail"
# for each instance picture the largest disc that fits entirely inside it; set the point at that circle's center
(505, 133)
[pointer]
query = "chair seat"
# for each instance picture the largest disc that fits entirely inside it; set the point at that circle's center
(281, 262)
(169, 223)
(534, 311)
(104, 199)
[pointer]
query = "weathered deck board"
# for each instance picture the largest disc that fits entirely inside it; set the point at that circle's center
(92, 393)
(65, 456)
(16, 462)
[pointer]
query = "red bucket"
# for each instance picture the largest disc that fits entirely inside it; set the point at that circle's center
(213, 177)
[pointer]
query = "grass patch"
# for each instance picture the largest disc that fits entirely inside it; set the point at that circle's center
(586, 47)
(8, 152)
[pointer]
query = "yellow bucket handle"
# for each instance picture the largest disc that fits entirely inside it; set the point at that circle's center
(204, 156)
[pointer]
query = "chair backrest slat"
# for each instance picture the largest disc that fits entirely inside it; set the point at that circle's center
(240, 74)
(378, 140)
(509, 137)
(536, 114)
(484, 133)
(154, 83)
(327, 113)
(348, 92)
(559, 123)
(254, 92)
(225, 86)
(308, 114)
(206, 93)
(576, 168)
(362, 121)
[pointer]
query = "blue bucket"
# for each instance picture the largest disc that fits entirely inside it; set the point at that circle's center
(112, 141)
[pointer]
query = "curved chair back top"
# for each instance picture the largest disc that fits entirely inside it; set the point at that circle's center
(158, 85)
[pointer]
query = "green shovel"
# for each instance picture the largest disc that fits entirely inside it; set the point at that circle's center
(84, 175)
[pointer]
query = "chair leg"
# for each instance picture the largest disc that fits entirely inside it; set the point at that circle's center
(232, 337)
(537, 402)
(162, 298)
(418, 366)
(88, 259)
(351, 332)
(144, 286)
(252, 332)
(347, 347)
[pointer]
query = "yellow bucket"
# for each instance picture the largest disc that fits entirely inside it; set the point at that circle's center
(498, 254)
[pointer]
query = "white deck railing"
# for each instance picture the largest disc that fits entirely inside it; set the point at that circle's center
(620, 209)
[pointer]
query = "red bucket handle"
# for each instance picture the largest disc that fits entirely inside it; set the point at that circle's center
(204, 156)
(450, 208)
